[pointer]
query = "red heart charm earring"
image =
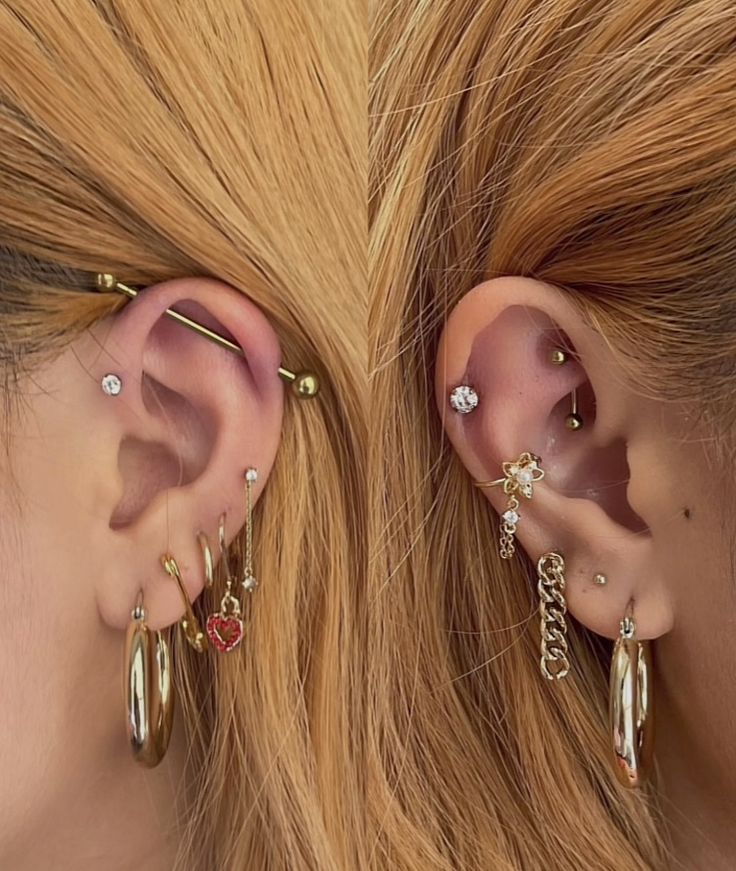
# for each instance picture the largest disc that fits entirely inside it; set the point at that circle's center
(225, 627)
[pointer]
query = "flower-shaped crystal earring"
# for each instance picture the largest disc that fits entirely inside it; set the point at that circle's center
(520, 477)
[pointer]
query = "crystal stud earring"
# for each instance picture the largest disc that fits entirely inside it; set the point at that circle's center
(111, 384)
(464, 399)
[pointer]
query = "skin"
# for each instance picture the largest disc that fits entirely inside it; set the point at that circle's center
(97, 489)
(636, 495)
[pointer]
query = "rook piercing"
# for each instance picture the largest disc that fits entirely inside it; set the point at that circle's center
(111, 384)
(464, 399)
(573, 421)
(304, 384)
(519, 477)
(189, 623)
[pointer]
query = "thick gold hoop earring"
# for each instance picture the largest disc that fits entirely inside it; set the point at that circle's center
(631, 705)
(189, 623)
(149, 691)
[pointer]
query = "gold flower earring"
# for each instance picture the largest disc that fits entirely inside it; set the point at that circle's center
(519, 478)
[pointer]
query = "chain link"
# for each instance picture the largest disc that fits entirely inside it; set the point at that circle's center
(552, 610)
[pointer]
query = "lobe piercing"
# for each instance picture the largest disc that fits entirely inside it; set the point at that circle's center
(111, 384)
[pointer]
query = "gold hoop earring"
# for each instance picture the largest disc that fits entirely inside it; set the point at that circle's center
(225, 627)
(208, 559)
(189, 623)
(631, 705)
(552, 610)
(149, 691)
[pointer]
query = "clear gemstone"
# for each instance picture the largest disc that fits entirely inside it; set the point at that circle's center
(111, 384)
(251, 475)
(464, 399)
(249, 583)
(510, 516)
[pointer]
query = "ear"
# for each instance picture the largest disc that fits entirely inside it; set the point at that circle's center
(600, 499)
(172, 448)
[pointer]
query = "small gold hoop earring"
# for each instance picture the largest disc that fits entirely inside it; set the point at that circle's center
(149, 691)
(631, 705)
(553, 662)
(208, 559)
(189, 623)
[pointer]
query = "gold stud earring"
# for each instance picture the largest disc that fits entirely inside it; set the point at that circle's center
(631, 705)
(149, 691)
(520, 477)
(189, 623)
(553, 661)
(225, 627)
(573, 421)
(304, 385)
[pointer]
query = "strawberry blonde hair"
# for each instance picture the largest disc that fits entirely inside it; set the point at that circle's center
(153, 140)
(590, 145)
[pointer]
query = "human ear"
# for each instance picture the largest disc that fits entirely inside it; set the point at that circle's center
(600, 494)
(170, 451)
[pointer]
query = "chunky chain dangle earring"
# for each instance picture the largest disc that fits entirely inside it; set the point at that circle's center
(189, 623)
(225, 627)
(552, 610)
(520, 477)
(149, 691)
(249, 578)
(631, 705)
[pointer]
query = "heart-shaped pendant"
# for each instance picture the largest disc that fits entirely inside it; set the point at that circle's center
(225, 632)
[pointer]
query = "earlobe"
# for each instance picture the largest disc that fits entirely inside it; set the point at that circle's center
(188, 421)
(526, 387)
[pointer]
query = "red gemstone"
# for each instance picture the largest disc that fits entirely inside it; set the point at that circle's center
(224, 632)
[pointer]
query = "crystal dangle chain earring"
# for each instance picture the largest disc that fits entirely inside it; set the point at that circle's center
(249, 579)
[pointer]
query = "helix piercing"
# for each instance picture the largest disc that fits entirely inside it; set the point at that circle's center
(573, 421)
(464, 399)
(111, 384)
(304, 384)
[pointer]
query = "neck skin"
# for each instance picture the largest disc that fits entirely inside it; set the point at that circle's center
(102, 810)
(695, 765)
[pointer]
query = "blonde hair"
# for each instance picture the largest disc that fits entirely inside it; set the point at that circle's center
(590, 145)
(154, 140)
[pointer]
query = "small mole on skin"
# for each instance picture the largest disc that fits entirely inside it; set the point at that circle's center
(686, 514)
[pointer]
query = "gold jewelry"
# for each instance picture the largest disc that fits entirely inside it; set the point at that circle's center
(573, 421)
(249, 579)
(208, 559)
(189, 623)
(304, 384)
(225, 627)
(600, 580)
(149, 691)
(631, 704)
(552, 610)
(519, 477)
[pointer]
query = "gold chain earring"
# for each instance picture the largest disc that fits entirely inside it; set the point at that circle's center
(249, 578)
(631, 705)
(519, 478)
(189, 623)
(552, 610)
(225, 627)
(149, 691)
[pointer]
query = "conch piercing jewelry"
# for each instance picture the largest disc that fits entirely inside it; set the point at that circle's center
(189, 623)
(464, 399)
(304, 384)
(552, 610)
(573, 421)
(631, 705)
(149, 691)
(249, 578)
(519, 478)
(225, 627)
(111, 384)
